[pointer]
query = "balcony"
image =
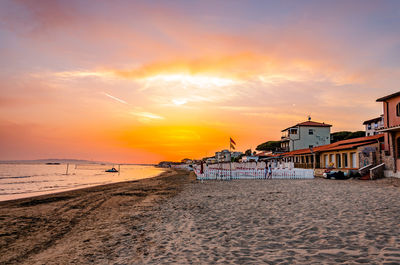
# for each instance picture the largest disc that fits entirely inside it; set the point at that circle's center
(285, 138)
(285, 149)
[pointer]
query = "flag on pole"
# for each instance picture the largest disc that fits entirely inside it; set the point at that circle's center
(232, 146)
(232, 141)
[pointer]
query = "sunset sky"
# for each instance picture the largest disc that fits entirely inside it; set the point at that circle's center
(128, 81)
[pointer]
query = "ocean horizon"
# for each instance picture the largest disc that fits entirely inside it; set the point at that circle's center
(23, 180)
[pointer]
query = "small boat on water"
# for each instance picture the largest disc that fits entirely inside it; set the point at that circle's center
(113, 170)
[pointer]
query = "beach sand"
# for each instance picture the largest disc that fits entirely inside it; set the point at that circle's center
(280, 222)
(175, 219)
(98, 225)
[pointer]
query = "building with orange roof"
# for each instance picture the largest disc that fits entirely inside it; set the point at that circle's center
(391, 130)
(345, 155)
(308, 134)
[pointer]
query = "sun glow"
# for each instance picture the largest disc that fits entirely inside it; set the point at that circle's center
(191, 80)
(179, 101)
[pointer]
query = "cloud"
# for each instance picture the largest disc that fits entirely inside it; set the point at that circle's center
(82, 74)
(205, 65)
(223, 71)
(115, 98)
(147, 116)
(179, 101)
(226, 70)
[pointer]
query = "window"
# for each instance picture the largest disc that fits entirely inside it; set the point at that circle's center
(338, 161)
(398, 109)
(310, 131)
(375, 125)
(332, 159)
(310, 146)
(353, 160)
(398, 147)
(369, 126)
(345, 160)
(293, 131)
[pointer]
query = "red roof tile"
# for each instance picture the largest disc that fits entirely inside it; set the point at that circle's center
(348, 146)
(361, 139)
(340, 145)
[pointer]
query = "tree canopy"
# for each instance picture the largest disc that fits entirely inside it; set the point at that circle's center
(269, 146)
(248, 152)
(345, 135)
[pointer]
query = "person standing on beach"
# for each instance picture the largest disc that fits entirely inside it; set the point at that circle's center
(266, 170)
(269, 172)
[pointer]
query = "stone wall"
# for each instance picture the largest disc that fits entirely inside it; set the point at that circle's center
(367, 155)
(388, 160)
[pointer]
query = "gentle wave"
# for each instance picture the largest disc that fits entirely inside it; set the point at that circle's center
(21, 180)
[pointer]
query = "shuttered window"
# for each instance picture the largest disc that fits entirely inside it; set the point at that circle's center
(398, 109)
(398, 147)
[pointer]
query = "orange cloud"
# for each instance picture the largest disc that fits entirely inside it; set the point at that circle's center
(247, 66)
(221, 65)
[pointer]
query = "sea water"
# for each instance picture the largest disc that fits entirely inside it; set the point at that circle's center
(27, 180)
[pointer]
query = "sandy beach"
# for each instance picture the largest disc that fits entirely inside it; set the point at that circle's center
(173, 219)
(99, 225)
(280, 222)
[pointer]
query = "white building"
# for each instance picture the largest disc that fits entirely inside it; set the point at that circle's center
(223, 156)
(226, 155)
(373, 125)
(250, 159)
(307, 134)
(211, 160)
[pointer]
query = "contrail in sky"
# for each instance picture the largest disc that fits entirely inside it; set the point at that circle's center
(115, 98)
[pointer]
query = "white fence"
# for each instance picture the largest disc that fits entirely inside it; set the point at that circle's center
(249, 165)
(250, 172)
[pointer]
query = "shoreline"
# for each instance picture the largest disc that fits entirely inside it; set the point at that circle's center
(88, 186)
(25, 181)
(83, 225)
